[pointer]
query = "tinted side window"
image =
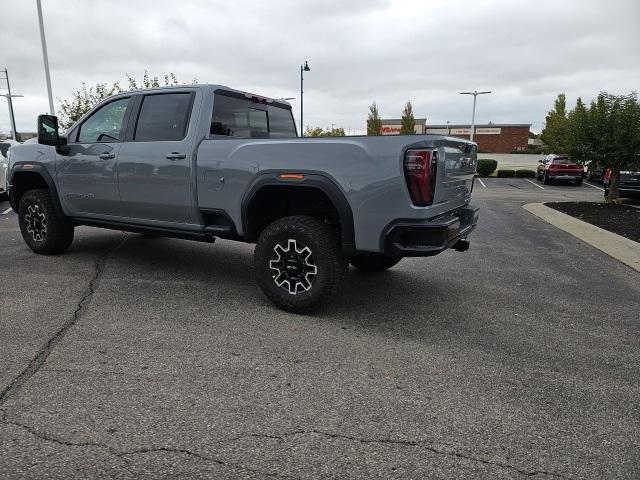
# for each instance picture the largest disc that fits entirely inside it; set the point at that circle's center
(105, 124)
(163, 117)
(230, 117)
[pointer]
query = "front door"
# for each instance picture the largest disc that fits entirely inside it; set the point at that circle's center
(87, 175)
(154, 166)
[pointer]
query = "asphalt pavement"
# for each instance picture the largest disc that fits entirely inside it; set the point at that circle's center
(141, 357)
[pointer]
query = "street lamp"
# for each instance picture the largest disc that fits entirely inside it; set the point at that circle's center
(303, 68)
(475, 94)
(45, 57)
(8, 96)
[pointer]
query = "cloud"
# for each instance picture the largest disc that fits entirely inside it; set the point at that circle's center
(359, 51)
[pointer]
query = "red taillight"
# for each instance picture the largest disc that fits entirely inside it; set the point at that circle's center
(420, 173)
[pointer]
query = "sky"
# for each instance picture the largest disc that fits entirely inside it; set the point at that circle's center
(359, 51)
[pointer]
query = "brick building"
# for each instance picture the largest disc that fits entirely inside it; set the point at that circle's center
(491, 138)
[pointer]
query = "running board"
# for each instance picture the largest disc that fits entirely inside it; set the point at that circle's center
(220, 231)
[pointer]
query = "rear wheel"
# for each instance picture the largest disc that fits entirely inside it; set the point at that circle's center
(578, 182)
(374, 262)
(299, 263)
(42, 229)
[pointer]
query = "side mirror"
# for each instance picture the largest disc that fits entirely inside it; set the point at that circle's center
(540, 161)
(48, 130)
(48, 133)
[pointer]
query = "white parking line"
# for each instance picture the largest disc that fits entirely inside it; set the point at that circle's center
(6, 211)
(534, 184)
(593, 186)
(481, 182)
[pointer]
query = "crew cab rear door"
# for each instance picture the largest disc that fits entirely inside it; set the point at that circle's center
(154, 163)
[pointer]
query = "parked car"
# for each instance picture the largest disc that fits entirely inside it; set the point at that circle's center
(203, 162)
(559, 167)
(629, 183)
(5, 145)
(594, 172)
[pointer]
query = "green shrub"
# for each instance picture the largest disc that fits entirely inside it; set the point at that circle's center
(525, 173)
(486, 167)
(506, 173)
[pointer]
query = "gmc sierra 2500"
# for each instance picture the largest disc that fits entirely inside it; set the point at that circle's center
(207, 161)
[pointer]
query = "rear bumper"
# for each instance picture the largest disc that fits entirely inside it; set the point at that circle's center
(407, 238)
(566, 176)
(626, 191)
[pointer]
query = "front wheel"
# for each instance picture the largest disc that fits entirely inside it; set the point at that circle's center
(374, 262)
(578, 182)
(299, 263)
(546, 180)
(42, 229)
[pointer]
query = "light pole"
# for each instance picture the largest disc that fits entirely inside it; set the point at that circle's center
(303, 68)
(475, 94)
(45, 57)
(8, 96)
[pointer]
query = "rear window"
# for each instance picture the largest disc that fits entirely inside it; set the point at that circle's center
(163, 117)
(562, 161)
(241, 118)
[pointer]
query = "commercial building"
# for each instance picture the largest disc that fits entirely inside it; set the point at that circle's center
(491, 137)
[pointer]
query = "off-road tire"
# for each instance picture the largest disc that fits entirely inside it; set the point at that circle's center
(374, 262)
(326, 255)
(57, 234)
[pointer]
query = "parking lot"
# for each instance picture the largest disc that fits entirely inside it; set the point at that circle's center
(132, 356)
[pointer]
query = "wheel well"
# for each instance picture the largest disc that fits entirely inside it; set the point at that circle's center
(22, 182)
(272, 202)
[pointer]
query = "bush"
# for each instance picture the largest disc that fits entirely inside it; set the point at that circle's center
(486, 167)
(506, 173)
(525, 173)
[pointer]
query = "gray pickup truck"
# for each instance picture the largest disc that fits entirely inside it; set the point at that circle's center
(205, 161)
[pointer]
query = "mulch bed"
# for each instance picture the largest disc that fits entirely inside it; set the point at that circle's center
(619, 219)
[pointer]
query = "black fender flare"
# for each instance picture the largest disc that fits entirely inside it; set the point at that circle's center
(38, 168)
(311, 180)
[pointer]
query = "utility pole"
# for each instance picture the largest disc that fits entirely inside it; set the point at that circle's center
(475, 94)
(46, 58)
(8, 96)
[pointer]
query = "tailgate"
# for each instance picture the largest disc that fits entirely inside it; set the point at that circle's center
(456, 170)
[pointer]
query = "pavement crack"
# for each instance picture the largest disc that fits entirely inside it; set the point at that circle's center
(406, 443)
(140, 451)
(41, 356)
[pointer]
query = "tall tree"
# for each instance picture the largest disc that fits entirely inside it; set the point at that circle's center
(85, 99)
(556, 129)
(374, 124)
(579, 145)
(408, 122)
(606, 133)
(622, 132)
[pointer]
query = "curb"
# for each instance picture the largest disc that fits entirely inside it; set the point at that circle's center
(622, 249)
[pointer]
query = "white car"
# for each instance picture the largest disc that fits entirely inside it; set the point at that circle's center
(4, 165)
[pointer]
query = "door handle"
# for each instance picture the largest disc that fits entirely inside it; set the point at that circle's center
(106, 156)
(176, 156)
